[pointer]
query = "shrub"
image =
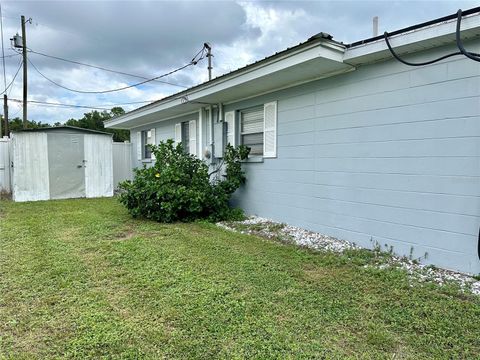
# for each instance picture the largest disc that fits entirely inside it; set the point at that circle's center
(179, 187)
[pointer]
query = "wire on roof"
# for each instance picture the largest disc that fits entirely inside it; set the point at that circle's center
(470, 55)
(462, 51)
(194, 61)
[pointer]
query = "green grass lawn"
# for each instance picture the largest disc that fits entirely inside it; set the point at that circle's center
(81, 279)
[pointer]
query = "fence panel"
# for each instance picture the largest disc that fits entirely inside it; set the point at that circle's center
(5, 168)
(122, 162)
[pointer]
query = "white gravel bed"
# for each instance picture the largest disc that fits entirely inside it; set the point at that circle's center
(291, 234)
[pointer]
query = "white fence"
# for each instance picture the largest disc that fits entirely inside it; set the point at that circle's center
(122, 162)
(5, 168)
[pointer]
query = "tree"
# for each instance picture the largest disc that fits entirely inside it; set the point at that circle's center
(94, 120)
(16, 124)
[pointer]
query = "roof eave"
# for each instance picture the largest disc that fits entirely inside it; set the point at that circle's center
(329, 51)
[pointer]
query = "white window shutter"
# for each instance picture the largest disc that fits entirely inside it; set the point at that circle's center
(139, 145)
(152, 141)
(270, 130)
(178, 133)
(192, 141)
(230, 120)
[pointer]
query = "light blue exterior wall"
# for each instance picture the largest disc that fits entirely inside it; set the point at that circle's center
(387, 154)
(163, 130)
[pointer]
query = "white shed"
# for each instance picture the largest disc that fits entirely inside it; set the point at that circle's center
(60, 163)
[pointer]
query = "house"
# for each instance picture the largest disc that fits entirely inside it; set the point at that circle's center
(346, 140)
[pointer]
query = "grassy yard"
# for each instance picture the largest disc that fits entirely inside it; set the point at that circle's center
(81, 279)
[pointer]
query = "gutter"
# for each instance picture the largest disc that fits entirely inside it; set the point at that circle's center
(415, 27)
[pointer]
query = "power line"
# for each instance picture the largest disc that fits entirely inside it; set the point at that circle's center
(14, 77)
(103, 68)
(3, 49)
(98, 107)
(9, 56)
(194, 61)
(50, 104)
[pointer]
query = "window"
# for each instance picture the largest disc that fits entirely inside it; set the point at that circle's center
(147, 140)
(251, 130)
(144, 138)
(186, 134)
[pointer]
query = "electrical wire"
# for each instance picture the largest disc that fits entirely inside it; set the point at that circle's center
(3, 49)
(20, 108)
(50, 104)
(462, 51)
(9, 56)
(102, 68)
(14, 77)
(99, 107)
(394, 54)
(194, 61)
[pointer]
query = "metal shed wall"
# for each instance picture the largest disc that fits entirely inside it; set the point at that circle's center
(30, 180)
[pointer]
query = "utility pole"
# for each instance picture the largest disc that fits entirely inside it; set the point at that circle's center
(209, 56)
(24, 44)
(5, 113)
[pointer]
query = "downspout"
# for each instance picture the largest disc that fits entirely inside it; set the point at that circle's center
(200, 133)
(210, 115)
(219, 119)
(220, 112)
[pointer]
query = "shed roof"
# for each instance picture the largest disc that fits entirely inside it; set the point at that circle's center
(65, 127)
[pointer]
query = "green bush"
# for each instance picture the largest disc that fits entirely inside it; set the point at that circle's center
(179, 187)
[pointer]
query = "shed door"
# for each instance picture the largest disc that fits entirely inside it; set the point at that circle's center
(67, 171)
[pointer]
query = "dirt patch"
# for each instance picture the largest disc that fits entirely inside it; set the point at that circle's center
(122, 236)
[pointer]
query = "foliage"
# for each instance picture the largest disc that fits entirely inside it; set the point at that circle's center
(86, 281)
(178, 186)
(16, 124)
(93, 120)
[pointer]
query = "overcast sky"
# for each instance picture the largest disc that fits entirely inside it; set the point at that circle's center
(150, 38)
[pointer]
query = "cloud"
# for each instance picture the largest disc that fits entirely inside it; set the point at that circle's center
(153, 37)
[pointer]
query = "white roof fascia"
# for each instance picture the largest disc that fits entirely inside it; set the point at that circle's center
(322, 49)
(363, 53)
